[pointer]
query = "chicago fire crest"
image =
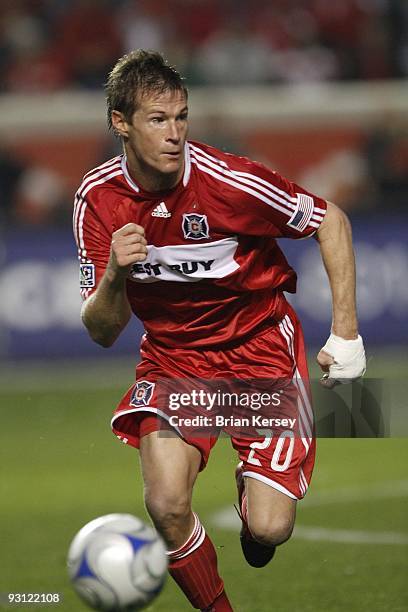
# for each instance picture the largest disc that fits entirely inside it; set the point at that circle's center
(141, 394)
(195, 226)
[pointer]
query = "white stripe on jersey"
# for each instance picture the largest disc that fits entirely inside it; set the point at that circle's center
(110, 162)
(273, 199)
(280, 200)
(240, 180)
(89, 178)
(80, 208)
(96, 173)
(113, 171)
(220, 162)
(127, 176)
(318, 213)
(187, 164)
(81, 228)
(291, 200)
(322, 211)
(229, 181)
(316, 219)
(80, 212)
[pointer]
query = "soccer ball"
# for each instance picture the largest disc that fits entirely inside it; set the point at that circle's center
(117, 562)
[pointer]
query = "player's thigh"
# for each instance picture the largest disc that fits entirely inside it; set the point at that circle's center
(271, 513)
(169, 468)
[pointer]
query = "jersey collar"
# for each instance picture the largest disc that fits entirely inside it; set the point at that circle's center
(187, 164)
(186, 175)
(126, 174)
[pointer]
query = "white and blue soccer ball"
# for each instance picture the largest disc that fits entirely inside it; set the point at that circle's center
(117, 562)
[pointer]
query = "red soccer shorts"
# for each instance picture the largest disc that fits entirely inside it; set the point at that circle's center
(277, 448)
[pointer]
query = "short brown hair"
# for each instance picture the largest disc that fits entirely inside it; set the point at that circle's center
(136, 74)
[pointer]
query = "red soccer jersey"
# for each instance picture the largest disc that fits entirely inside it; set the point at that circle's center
(214, 272)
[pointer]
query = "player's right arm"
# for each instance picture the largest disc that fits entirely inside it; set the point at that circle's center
(107, 311)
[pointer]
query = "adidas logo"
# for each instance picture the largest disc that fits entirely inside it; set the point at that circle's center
(161, 211)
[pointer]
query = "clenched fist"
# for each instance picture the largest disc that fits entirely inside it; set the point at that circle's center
(342, 360)
(128, 246)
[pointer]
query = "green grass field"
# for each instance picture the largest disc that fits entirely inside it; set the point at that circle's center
(61, 467)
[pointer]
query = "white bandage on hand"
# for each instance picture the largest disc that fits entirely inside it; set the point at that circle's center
(349, 358)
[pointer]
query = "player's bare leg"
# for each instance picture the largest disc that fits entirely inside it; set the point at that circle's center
(268, 517)
(170, 467)
(271, 514)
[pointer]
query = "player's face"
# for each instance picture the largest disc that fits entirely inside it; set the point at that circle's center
(155, 138)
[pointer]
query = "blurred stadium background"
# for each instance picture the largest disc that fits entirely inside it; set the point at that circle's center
(317, 90)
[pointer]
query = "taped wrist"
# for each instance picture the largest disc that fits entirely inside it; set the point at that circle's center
(349, 357)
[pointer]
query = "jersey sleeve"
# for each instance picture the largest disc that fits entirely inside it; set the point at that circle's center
(273, 205)
(93, 240)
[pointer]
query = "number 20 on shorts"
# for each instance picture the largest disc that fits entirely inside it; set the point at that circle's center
(275, 461)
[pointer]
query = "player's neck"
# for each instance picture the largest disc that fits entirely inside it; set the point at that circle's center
(150, 179)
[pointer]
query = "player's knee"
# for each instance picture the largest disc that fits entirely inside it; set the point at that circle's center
(271, 533)
(166, 509)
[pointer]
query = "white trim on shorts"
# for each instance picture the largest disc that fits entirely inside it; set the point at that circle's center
(305, 411)
(147, 409)
(271, 483)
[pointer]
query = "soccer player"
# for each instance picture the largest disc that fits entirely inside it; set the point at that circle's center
(183, 236)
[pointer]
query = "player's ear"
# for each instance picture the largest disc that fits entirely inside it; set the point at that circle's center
(119, 124)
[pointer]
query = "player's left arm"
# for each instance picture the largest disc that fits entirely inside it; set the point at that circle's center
(342, 358)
